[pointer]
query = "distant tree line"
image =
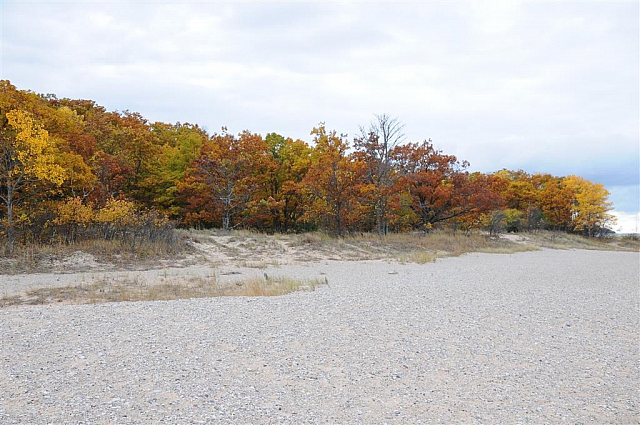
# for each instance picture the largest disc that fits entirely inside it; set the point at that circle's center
(69, 165)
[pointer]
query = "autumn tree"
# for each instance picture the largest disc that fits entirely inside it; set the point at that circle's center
(74, 150)
(519, 192)
(555, 201)
(478, 200)
(120, 148)
(332, 180)
(439, 187)
(374, 148)
(281, 202)
(522, 192)
(295, 158)
(590, 207)
(26, 156)
(137, 147)
(79, 177)
(264, 209)
(180, 145)
(224, 177)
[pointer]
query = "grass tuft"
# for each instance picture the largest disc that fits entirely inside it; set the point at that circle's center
(562, 240)
(419, 257)
(136, 289)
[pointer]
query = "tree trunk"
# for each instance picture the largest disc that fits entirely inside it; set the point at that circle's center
(226, 219)
(226, 210)
(339, 219)
(379, 222)
(10, 234)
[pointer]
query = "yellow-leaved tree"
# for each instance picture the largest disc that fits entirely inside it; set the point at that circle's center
(27, 155)
(590, 207)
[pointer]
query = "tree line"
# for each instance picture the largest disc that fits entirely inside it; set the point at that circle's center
(67, 165)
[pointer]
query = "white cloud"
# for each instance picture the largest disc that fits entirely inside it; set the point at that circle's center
(626, 222)
(495, 16)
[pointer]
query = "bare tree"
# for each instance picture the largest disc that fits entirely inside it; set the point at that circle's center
(375, 148)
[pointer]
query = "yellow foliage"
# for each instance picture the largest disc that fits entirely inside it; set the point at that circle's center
(78, 174)
(117, 211)
(73, 211)
(33, 149)
(591, 207)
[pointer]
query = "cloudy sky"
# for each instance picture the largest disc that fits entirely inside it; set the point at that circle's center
(541, 86)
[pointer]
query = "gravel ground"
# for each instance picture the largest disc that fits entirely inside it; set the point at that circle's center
(537, 337)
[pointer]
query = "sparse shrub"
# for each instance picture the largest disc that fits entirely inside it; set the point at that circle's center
(119, 230)
(512, 220)
(72, 216)
(494, 222)
(419, 257)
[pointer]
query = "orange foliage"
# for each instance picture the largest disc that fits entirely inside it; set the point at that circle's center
(76, 151)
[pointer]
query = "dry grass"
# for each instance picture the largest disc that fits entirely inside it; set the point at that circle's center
(453, 243)
(418, 257)
(630, 242)
(135, 289)
(259, 264)
(313, 238)
(414, 247)
(252, 249)
(243, 248)
(561, 240)
(32, 258)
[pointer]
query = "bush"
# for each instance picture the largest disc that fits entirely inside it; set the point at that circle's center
(72, 222)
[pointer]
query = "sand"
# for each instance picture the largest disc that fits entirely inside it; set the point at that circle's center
(537, 337)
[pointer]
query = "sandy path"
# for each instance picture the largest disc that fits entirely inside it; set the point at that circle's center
(537, 337)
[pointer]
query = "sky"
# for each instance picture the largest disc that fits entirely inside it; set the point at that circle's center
(550, 87)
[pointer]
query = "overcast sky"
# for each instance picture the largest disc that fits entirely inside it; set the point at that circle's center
(546, 86)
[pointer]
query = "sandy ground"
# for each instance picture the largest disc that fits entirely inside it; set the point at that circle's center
(227, 257)
(537, 337)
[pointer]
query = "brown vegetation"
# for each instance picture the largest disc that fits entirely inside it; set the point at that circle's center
(563, 240)
(32, 257)
(246, 248)
(133, 289)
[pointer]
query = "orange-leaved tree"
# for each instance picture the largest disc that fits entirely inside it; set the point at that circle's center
(438, 183)
(332, 181)
(280, 201)
(555, 200)
(221, 181)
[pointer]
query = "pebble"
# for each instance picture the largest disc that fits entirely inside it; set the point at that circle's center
(537, 337)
